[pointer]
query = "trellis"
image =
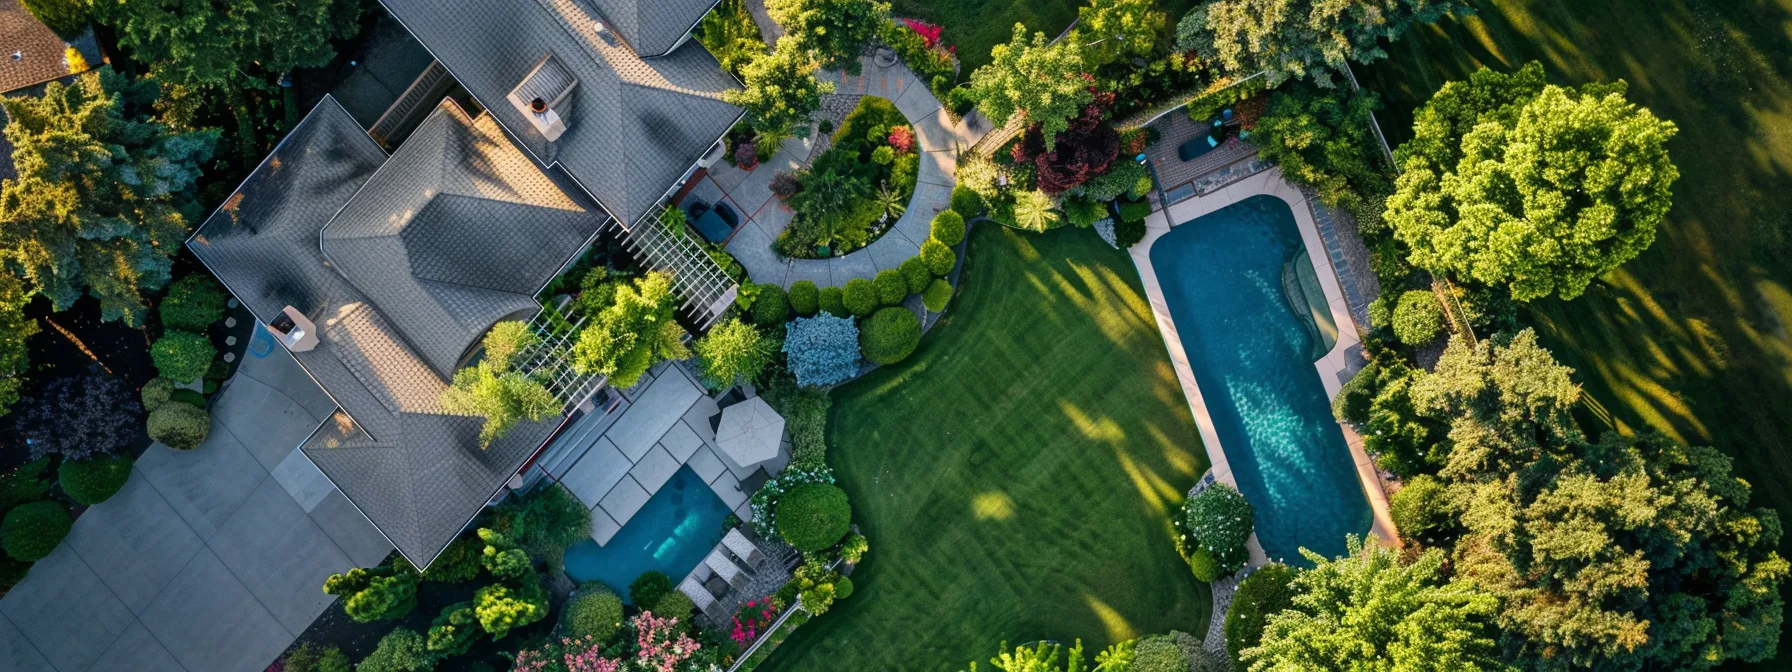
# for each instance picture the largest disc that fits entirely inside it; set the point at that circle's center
(550, 359)
(705, 289)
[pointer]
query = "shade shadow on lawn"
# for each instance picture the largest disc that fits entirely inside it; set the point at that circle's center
(1014, 475)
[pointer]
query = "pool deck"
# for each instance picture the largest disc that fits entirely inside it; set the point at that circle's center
(1335, 368)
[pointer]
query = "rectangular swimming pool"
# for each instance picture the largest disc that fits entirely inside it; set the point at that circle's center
(671, 534)
(1231, 281)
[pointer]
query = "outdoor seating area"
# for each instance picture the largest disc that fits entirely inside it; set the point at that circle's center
(738, 570)
(1189, 150)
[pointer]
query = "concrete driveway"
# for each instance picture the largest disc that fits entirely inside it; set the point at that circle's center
(208, 560)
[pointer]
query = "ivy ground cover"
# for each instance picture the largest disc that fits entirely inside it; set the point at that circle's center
(1017, 474)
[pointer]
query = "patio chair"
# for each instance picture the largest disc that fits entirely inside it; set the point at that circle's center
(726, 569)
(705, 602)
(743, 548)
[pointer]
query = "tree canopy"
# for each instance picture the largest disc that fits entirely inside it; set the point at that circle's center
(1116, 29)
(636, 331)
(1302, 38)
(780, 90)
(834, 31)
(14, 329)
(209, 42)
(1511, 181)
(1047, 83)
(104, 195)
(494, 390)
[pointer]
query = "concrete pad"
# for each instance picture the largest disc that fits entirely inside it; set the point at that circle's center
(135, 542)
(938, 167)
(705, 463)
(205, 484)
(854, 265)
(282, 373)
(603, 527)
(728, 488)
(268, 423)
(891, 250)
(65, 612)
(756, 189)
(352, 532)
(17, 653)
(280, 555)
(595, 473)
(681, 441)
(624, 500)
(726, 176)
(302, 480)
(745, 511)
(813, 270)
(917, 224)
(138, 651)
(210, 621)
(774, 217)
(654, 469)
(933, 132)
(752, 247)
(916, 102)
(652, 414)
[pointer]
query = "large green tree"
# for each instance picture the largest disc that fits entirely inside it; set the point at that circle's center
(1511, 181)
(14, 329)
(636, 331)
(67, 18)
(1116, 29)
(1507, 400)
(213, 42)
(1367, 611)
(835, 31)
(1046, 83)
(104, 195)
(1322, 139)
(1302, 38)
(781, 89)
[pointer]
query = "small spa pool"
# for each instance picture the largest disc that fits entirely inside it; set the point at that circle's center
(1246, 302)
(671, 533)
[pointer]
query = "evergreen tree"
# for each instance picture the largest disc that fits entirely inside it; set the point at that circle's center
(1116, 29)
(636, 331)
(211, 42)
(14, 329)
(835, 31)
(1303, 38)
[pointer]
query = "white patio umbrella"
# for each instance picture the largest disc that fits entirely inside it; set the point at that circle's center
(750, 432)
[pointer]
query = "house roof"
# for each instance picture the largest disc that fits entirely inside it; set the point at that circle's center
(653, 27)
(636, 125)
(417, 473)
(42, 55)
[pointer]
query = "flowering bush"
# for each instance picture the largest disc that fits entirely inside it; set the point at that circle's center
(1219, 521)
(902, 139)
(752, 619)
(822, 350)
(576, 654)
(661, 644)
(930, 33)
(765, 501)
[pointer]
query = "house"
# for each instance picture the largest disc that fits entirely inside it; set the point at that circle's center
(30, 56)
(382, 273)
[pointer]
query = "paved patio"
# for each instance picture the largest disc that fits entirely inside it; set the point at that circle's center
(208, 560)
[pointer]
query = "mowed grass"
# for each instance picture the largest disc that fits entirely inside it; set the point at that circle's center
(1015, 475)
(1690, 338)
(974, 26)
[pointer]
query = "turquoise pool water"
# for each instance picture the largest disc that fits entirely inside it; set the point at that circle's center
(1251, 338)
(671, 533)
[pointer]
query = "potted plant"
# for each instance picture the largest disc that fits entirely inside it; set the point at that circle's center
(746, 156)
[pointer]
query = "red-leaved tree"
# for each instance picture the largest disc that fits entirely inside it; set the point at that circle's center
(1084, 150)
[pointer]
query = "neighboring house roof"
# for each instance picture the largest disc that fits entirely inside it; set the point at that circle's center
(454, 204)
(635, 125)
(42, 56)
(654, 27)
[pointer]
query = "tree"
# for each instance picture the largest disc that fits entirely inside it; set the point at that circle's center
(1508, 403)
(502, 558)
(1083, 150)
(1267, 591)
(453, 631)
(780, 89)
(67, 18)
(1046, 83)
(1323, 140)
(1542, 188)
(210, 42)
(1366, 611)
(734, 352)
(104, 195)
(1117, 29)
(835, 31)
(402, 650)
(1301, 38)
(637, 330)
(193, 303)
(383, 593)
(15, 328)
(503, 398)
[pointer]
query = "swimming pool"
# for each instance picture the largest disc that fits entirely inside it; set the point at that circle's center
(671, 533)
(1233, 282)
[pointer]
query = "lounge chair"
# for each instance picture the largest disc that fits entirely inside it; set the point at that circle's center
(705, 602)
(726, 569)
(742, 548)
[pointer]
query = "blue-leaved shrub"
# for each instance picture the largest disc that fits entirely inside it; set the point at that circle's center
(823, 350)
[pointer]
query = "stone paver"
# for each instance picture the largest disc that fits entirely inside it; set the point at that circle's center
(594, 474)
(728, 488)
(705, 463)
(918, 104)
(653, 413)
(654, 469)
(624, 500)
(855, 265)
(210, 621)
(339, 518)
(135, 543)
(752, 246)
(892, 249)
(302, 480)
(206, 484)
(603, 527)
(813, 270)
(681, 441)
(937, 167)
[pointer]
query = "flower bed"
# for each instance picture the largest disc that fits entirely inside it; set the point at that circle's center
(853, 193)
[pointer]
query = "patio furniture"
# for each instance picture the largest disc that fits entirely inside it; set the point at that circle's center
(705, 602)
(726, 569)
(743, 548)
(750, 432)
(1194, 148)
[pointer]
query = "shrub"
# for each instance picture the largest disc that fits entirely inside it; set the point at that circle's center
(883, 156)
(544, 522)
(180, 426)
(156, 392)
(453, 631)
(310, 657)
(674, 604)
(1082, 212)
(1036, 210)
(772, 307)
(948, 226)
(916, 274)
(822, 350)
(182, 356)
(1220, 521)
(784, 185)
(401, 650)
(1421, 510)
(1205, 567)
(891, 286)
(29, 481)
(594, 612)
(33, 529)
(12, 572)
(1354, 397)
(890, 336)
(1417, 318)
(79, 417)
(805, 300)
(966, 203)
(1134, 211)
(1128, 234)
(648, 588)
(1159, 654)
(1119, 180)
(937, 295)
(382, 593)
(832, 302)
(811, 517)
(193, 304)
(860, 297)
(1266, 591)
(93, 480)
(843, 588)
(458, 563)
(733, 352)
(501, 608)
(940, 259)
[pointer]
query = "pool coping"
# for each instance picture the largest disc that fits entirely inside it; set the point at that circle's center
(1334, 368)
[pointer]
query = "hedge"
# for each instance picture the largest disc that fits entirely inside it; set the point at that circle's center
(831, 301)
(1266, 591)
(31, 530)
(182, 356)
(193, 303)
(771, 307)
(915, 272)
(860, 297)
(890, 336)
(805, 300)
(948, 227)
(891, 286)
(822, 350)
(811, 517)
(1417, 318)
(93, 480)
(940, 259)
(1134, 211)
(595, 611)
(180, 426)
(156, 392)
(966, 203)
(936, 296)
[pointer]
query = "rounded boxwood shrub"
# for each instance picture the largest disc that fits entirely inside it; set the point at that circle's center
(937, 295)
(859, 297)
(890, 336)
(940, 259)
(33, 529)
(648, 588)
(1203, 564)
(892, 288)
(1417, 318)
(156, 392)
(180, 426)
(1420, 509)
(1159, 653)
(182, 356)
(93, 480)
(812, 516)
(1266, 591)
(1128, 234)
(771, 307)
(948, 227)
(805, 300)
(595, 611)
(1220, 521)
(832, 301)
(915, 273)
(843, 588)
(966, 203)
(674, 604)
(193, 303)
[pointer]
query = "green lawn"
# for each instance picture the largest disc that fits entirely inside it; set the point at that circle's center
(1691, 337)
(974, 26)
(1014, 474)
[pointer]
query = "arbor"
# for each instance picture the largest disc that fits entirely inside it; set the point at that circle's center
(780, 89)
(1510, 181)
(15, 328)
(637, 330)
(1301, 38)
(209, 42)
(732, 352)
(1047, 83)
(835, 31)
(1119, 29)
(1367, 611)
(104, 194)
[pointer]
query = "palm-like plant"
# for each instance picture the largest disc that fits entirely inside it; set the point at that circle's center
(890, 202)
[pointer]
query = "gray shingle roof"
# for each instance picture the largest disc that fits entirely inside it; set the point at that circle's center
(653, 27)
(636, 125)
(415, 472)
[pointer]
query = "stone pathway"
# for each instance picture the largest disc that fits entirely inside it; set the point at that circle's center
(1350, 257)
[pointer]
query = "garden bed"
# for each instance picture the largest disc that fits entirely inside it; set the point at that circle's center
(853, 193)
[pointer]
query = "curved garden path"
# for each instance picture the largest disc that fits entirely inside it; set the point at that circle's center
(940, 140)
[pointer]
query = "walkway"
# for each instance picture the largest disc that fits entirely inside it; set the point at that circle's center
(210, 560)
